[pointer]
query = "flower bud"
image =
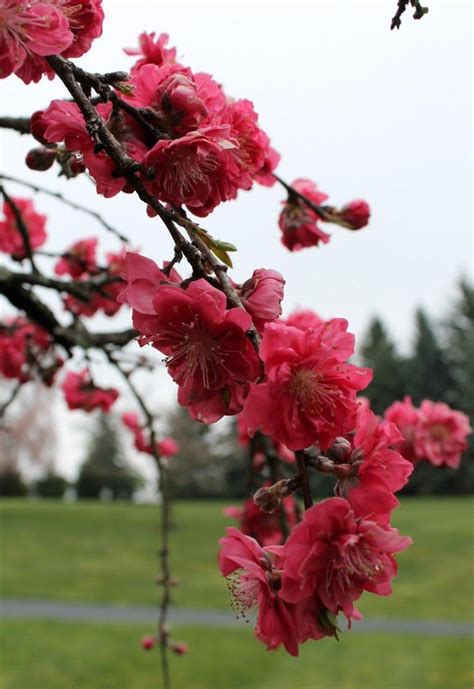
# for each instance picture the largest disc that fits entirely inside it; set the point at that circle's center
(356, 213)
(38, 126)
(267, 499)
(179, 647)
(148, 642)
(40, 159)
(339, 450)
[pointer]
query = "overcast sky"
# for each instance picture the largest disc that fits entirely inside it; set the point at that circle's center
(362, 111)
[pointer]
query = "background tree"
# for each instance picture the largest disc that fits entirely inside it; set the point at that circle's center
(105, 468)
(379, 353)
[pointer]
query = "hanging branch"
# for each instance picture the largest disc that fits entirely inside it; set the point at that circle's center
(165, 578)
(22, 228)
(402, 5)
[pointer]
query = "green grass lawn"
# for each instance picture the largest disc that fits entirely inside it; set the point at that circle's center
(54, 655)
(98, 552)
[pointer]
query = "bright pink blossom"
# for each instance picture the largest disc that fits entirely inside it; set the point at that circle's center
(193, 170)
(262, 295)
(26, 348)
(168, 447)
(208, 352)
(303, 319)
(356, 213)
(152, 50)
(406, 418)
(336, 556)
(254, 581)
(143, 277)
(11, 240)
(80, 258)
(375, 471)
(80, 392)
(298, 222)
(308, 395)
(441, 435)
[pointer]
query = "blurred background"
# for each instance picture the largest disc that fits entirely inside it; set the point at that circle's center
(364, 113)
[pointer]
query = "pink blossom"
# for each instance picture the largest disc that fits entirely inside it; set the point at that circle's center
(265, 176)
(405, 417)
(152, 50)
(81, 393)
(441, 434)
(192, 170)
(168, 447)
(303, 319)
(29, 30)
(298, 222)
(336, 556)
(254, 581)
(80, 258)
(356, 213)
(308, 395)
(208, 352)
(375, 470)
(11, 240)
(262, 295)
(143, 278)
(26, 347)
(179, 647)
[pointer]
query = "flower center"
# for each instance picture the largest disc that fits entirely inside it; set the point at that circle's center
(310, 391)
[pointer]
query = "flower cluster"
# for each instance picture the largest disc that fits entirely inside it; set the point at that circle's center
(330, 558)
(31, 30)
(80, 392)
(206, 146)
(166, 447)
(432, 432)
(11, 239)
(302, 213)
(26, 349)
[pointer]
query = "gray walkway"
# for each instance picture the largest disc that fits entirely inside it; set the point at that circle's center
(91, 612)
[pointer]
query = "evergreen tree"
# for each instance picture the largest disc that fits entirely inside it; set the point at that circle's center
(105, 467)
(429, 371)
(379, 353)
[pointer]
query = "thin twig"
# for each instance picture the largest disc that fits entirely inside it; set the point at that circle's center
(18, 124)
(22, 228)
(303, 475)
(72, 204)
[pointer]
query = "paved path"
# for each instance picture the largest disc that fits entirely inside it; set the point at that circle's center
(13, 608)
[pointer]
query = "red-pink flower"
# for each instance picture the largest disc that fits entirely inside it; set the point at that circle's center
(254, 581)
(80, 258)
(29, 30)
(308, 395)
(441, 435)
(152, 50)
(298, 222)
(193, 170)
(168, 447)
(262, 526)
(11, 240)
(356, 213)
(80, 392)
(262, 295)
(143, 277)
(25, 347)
(208, 352)
(406, 418)
(303, 319)
(375, 471)
(265, 176)
(336, 556)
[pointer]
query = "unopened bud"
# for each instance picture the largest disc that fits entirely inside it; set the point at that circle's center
(76, 166)
(179, 647)
(40, 159)
(340, 450)
(356, 214)
(38, 126)
(148, 642)
(267, 499)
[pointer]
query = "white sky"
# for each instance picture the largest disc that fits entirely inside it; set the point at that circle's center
(362, 111)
